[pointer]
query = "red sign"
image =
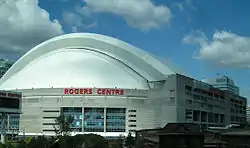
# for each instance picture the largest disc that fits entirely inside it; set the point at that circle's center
(90, 91)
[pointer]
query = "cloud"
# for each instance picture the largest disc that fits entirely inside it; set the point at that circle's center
(142, 14)
(180, 6)
(225, 48)
(190, 5)
(77, 22)
(24, 24)
(186, 4)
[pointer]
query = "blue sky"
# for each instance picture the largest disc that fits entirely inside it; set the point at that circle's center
(202, 37)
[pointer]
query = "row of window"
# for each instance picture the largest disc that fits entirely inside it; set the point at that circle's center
(12, 121)
(238, 119)
(203, 104)
(202, 116)
(94, 119)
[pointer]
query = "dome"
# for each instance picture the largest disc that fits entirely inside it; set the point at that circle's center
(85, 60)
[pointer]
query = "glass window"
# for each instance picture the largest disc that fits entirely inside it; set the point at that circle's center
(14, 121)
(76, 113)
(115, 119)
(93, 119)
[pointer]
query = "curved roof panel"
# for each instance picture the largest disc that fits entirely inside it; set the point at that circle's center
(84, 54)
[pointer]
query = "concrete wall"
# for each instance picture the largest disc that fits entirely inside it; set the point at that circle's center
(39, 103)
(154, 108)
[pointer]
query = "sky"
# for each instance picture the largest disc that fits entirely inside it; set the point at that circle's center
(202, 37)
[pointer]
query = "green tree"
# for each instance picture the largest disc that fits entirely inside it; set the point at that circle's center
(129, 141)
(79, 141)
(62, 126)
(21, 144)
(116, 143)
(2, 145)
(91, 141)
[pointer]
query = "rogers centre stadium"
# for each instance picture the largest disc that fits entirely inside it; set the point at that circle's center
(108, 86)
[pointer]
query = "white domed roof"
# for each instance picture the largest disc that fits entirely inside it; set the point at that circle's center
(84, 60)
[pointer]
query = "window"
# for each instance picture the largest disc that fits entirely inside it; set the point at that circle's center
(76, 113)
(210, 117)
(188, 88)
(196, 115)
(216, 117)
(131, 115)
(232, 118)
(131, 120)
(171, 91)
(203, 116)
(49, 123)
(196, 97)
(222, 118)
(188, 101)
(189, 114)
(51, 111)
(14, 121)
(93, 119)
(172, 99)
(49, 117)
(115, 119)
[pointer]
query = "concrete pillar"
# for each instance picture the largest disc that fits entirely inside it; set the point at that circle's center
(105, 123)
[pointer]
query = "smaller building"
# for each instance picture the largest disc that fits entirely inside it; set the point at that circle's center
(191, 135)
(224, 83)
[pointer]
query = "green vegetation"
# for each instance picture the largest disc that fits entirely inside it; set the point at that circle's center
(62, 127)
(64, 140)
(130, 141)
(78, 141)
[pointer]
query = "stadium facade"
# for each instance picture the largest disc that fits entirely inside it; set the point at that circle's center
(111, 88)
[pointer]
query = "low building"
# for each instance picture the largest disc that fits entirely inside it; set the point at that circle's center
(192, 135)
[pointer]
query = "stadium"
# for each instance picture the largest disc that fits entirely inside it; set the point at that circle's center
(108, 86)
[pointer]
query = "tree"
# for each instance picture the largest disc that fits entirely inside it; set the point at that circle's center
(80, 141)
(129, 141)
(62, 126)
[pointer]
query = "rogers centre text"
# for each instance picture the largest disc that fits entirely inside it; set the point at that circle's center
(91, 91)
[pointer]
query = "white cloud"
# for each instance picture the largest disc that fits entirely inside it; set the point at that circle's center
(76, 21)
(225, 49)
(141, 14)
(24, 24)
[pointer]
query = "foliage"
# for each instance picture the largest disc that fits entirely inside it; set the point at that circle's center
(62, 127)
(116, 143)
(64, 140)
(2, 145)
(86, 140)
(129, 141)
(78, 141)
